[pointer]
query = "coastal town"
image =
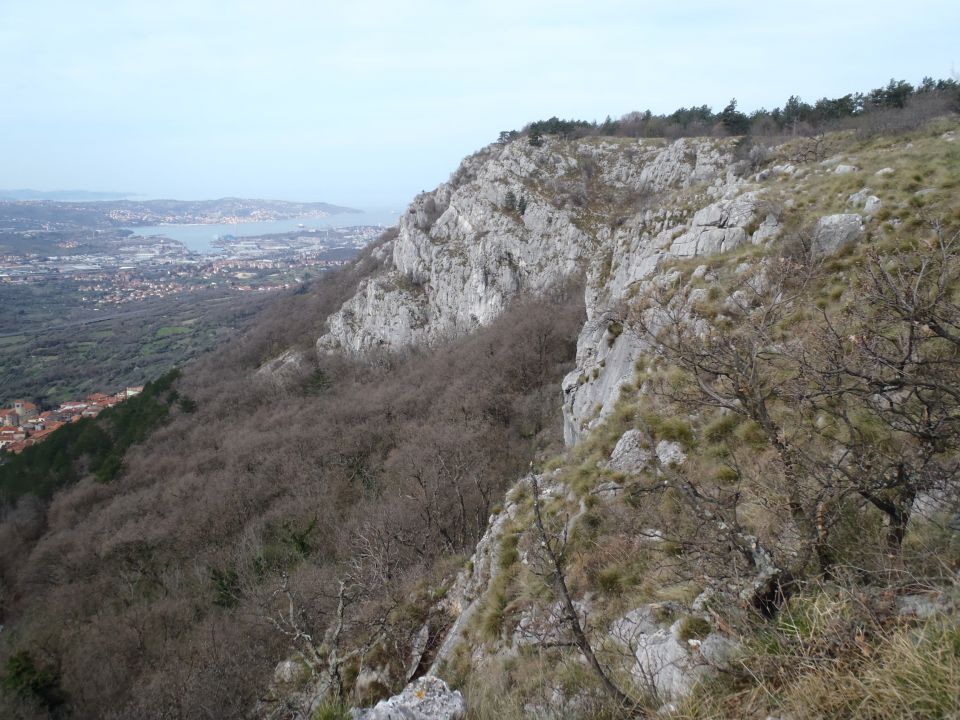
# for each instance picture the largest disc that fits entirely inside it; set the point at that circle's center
(113, 268)
(23, 424)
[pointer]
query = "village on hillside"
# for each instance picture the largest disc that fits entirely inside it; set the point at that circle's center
(24, 425)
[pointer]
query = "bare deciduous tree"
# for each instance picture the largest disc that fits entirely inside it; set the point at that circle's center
(553, 549)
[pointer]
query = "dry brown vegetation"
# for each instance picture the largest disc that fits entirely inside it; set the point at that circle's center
(174, 590)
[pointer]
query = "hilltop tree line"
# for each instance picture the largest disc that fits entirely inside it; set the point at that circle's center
(895, 106)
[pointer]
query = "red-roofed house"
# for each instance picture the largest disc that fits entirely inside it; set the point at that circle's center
(9, 433)
(17, 447)
(43, 434)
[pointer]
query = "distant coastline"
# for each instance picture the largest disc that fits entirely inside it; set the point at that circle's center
(199, 237)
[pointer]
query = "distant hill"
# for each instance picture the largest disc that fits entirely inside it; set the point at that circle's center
(102, 214)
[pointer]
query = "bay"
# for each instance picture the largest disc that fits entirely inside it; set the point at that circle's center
(199, 238)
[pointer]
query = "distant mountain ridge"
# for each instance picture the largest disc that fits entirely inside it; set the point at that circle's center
(103, 214)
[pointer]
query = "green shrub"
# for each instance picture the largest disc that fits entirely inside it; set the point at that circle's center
(721, 428)
(27, 681)
(610, 580)
(726, 475)
(317, 382)
(331, 709)
(672, 428)
(616, 330)
(226, 587)
(509, 554)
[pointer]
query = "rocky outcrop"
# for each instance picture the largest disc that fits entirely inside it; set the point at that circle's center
(719, 227)
(462, 601)
(630, 455)
(461, 252)
(671, 654)
(866, 200)
(283, 370)
(613, 210)
(665, 648)
(428, 698)
(836, 231)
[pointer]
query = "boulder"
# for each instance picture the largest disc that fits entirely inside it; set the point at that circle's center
(670, 453)
(283, 370)
(836, 231)
(864, 199)
(924, 606)
(766, 230)
(428, 698)
(629, 455)
(664, 662)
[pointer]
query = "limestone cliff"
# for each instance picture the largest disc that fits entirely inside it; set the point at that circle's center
(633, 218)
(609, 209)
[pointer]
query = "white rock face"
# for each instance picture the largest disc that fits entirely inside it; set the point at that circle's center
(717, 227)
(664, 662)
(284, 369)
(836, 231)
(428, 698)
(287, 671)
(767, 230)
(670, 453)
(629, 455)
(460, 255)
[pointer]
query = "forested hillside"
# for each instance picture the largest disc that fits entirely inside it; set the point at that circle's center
(609, 425)
(155, 589)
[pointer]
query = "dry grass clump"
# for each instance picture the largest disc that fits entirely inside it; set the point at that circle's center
(841, 652)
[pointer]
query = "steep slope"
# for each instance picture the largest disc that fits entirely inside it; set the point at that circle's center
(463, 250)
(688, 251)
(742, 490)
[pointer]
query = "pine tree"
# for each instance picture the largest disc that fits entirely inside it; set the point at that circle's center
(734, 121)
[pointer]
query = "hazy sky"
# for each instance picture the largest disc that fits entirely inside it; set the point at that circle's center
(366, 102)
